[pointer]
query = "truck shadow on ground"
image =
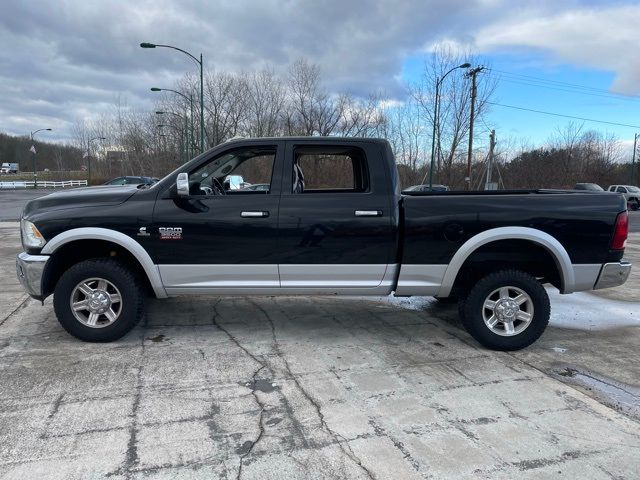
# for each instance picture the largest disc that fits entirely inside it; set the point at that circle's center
(305, 318)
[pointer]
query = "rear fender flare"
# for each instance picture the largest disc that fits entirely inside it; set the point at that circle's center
(551, 244)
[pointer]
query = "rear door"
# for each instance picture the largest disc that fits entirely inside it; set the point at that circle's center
(336, 220)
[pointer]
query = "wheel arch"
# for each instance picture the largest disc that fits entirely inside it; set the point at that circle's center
(542, 239)
(129, 245)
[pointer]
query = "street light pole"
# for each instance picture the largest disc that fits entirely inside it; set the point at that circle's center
(89, 158)
(436, 113)
(183, 134)
(35, 174)
(633, 158)
(160, 125)
(199, 62)
(190, 100)
(201, 105)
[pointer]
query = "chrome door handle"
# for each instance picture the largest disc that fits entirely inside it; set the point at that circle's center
(254, 214)
(368, 213)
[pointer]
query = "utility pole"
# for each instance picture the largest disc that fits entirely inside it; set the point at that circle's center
(633, 159)
(472, 73)
(492, 144)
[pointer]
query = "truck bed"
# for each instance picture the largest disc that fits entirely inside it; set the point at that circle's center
(436, 224)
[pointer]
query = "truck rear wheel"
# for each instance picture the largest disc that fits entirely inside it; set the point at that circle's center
(506, 310)
(98, 300)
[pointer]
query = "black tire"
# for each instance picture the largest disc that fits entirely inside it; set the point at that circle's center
(450, 300)
(131, 308)
(472, 311)
(635, 205)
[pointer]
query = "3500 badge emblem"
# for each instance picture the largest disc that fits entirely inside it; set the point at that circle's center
(170, 233)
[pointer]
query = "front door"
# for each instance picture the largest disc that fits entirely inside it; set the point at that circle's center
(224, 235)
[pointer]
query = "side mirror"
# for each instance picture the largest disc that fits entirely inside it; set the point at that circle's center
(182, 184)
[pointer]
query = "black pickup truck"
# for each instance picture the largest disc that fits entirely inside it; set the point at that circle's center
(332, 221)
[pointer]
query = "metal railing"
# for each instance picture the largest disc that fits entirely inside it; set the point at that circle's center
(41, 184)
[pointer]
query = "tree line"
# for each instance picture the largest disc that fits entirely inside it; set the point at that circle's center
(264, 103)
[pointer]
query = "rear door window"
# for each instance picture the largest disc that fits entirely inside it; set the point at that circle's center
(318, 171)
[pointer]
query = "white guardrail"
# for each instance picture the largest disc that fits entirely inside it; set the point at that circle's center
(41, 184)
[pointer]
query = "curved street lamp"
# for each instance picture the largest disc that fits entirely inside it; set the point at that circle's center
(199, 62)
(160, 125)
(161, 112)
(188, 99)
(436, 113)
(35, 174)
(184, 138)
(89, 157)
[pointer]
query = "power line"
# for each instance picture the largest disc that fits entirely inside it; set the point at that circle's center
(564, 116)
(566, 84)
(550, 87)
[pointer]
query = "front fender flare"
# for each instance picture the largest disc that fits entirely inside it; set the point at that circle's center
(126, 242)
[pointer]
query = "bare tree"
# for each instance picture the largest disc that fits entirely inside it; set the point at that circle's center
(404, 131)
(452, 124)
(265, 101)
(361, 117)
(311, 110)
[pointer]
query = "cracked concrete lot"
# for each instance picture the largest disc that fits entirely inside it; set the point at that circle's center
(275, 388)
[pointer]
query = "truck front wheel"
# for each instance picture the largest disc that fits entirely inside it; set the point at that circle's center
(98, 300)
(506, 310)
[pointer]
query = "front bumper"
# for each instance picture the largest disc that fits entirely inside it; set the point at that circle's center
(30, 269)
(613, 274)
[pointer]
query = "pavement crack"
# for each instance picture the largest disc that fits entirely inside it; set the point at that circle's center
(250, 445)
(406, 454)
(56, 405)
(524, 465)
(19, 307)
(132, 459)
(236, 342)
(340, 440)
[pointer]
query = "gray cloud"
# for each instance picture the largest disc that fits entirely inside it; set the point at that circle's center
(68, 60)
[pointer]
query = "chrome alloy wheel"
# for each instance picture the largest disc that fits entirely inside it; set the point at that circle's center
(96, 302)
(507, 311)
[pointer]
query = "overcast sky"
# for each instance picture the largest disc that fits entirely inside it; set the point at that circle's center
(68, 60)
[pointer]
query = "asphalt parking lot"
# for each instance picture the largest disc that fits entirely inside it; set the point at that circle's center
(317, 388)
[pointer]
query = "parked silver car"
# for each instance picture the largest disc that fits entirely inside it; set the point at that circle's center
(427, 188)
(592, 187)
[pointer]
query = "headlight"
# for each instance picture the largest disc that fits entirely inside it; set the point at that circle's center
(31, 236)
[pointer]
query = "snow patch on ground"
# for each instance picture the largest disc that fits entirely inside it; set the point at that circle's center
(585, 311)
(581, 310)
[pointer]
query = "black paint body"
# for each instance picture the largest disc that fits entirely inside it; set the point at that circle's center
(321, 228)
